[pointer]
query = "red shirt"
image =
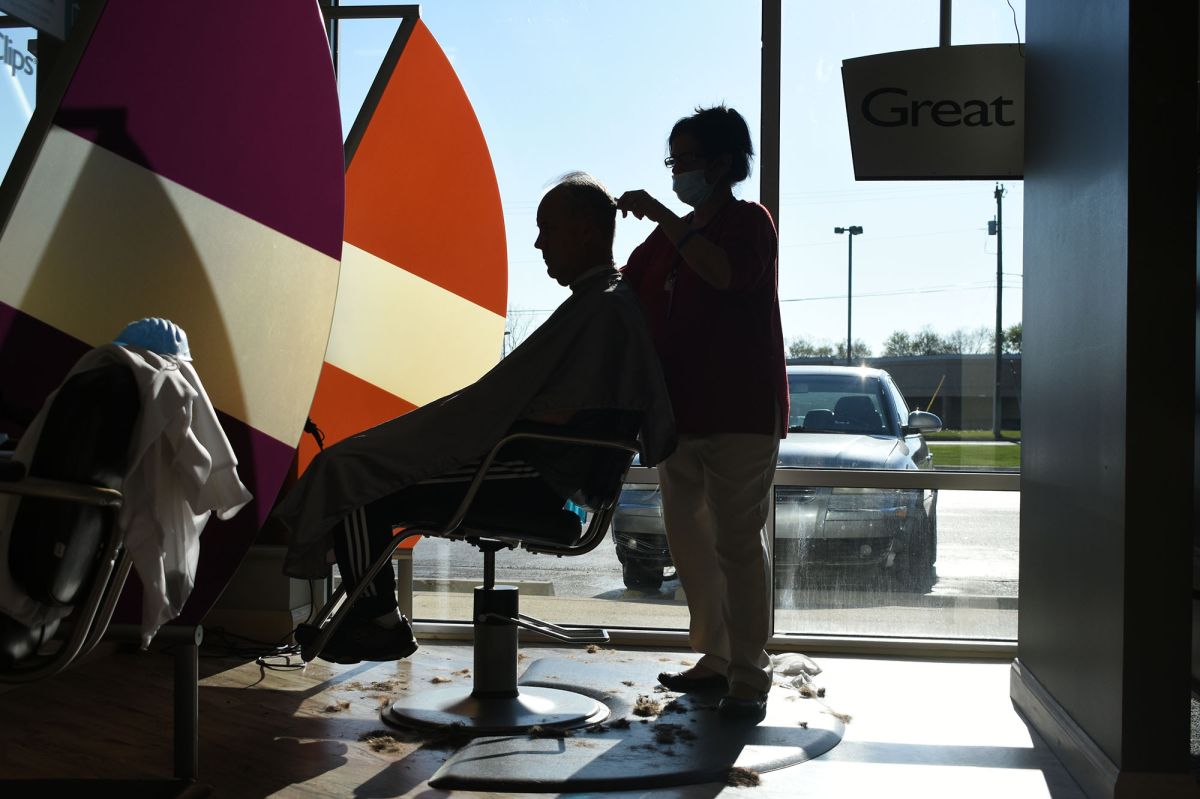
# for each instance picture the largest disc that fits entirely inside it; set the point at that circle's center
(721, 349)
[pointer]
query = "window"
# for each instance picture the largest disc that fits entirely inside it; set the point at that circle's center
(18, 98)
(596, 86)
(824, 403)
(915, 294)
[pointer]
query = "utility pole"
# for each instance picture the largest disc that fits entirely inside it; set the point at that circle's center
(996, 228)
(853, 231)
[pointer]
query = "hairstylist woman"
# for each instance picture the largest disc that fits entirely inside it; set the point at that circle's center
(707, 283)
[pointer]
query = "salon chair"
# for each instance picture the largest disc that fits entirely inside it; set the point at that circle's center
(495, 703)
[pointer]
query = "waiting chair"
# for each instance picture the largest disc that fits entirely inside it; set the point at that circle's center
(66, 550)
(495, 703)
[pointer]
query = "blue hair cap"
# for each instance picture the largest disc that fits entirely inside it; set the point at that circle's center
(157, 335)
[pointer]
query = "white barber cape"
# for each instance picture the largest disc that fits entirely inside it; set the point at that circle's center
(594, 352)
(182, 470)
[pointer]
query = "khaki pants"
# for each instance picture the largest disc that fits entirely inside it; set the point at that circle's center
(716, 493)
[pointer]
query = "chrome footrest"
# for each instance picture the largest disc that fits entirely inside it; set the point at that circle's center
(573, 635)
(577, 635)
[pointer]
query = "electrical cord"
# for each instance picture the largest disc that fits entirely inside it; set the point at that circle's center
(279, 656)
(282, 655)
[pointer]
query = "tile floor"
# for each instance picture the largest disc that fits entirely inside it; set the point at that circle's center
(919, 728)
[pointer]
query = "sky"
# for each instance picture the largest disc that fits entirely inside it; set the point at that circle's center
(560, 85)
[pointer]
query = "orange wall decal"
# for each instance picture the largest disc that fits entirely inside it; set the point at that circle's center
(424, 285)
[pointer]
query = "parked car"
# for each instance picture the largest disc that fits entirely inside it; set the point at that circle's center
(841, 417)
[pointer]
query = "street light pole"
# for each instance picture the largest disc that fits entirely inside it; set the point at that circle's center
(997, 228)
(852, 231)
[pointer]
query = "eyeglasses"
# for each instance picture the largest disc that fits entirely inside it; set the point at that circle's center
(683, 158)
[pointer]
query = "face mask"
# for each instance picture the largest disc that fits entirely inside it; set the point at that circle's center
(691, 188)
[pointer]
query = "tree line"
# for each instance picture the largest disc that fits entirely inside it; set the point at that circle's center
(926, 341)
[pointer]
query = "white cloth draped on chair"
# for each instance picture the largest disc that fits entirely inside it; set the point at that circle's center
(182, 470)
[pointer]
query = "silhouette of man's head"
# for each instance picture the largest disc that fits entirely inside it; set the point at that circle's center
(576, 221)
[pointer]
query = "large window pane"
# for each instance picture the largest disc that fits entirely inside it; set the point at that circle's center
(559, 86)
(909, 286)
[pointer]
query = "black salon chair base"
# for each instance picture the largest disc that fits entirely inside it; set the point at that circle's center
(495, 704)
(456, 709)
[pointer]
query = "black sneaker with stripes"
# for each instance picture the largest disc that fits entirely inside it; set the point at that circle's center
(357, 640)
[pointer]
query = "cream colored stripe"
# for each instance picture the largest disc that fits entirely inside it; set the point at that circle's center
(96, 241)
(406, 335)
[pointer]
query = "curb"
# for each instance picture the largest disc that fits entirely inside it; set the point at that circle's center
(466, 586)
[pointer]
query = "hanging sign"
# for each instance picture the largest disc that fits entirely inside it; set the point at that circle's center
(50, 16)
(941, 113)
(15, 57)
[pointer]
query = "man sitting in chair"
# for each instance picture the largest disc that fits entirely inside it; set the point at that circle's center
(590, 370)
